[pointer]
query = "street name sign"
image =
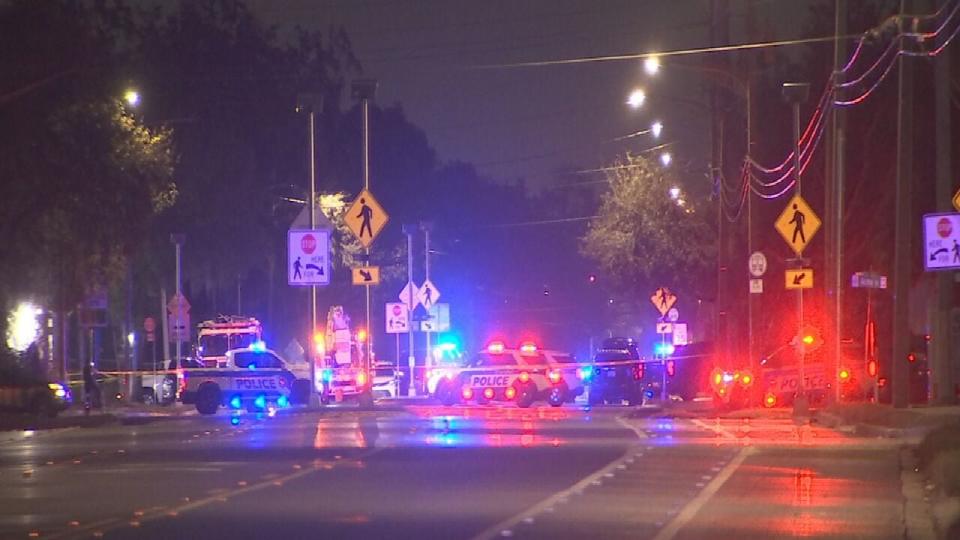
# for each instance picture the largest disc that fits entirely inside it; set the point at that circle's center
(797, 224)
(663, 300)
(799, 278)
(941, 242)
(366, 218)
(308, 257)
(366, 275)
(868, 280)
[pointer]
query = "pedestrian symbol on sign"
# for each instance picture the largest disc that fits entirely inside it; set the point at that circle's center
(366, 214)
(799, 219)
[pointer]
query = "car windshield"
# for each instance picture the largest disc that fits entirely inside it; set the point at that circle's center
(248, 359)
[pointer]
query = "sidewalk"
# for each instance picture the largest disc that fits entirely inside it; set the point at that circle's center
(868, 419)
(75, 416)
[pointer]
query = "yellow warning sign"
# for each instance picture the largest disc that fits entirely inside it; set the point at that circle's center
(800, 278)
(366, 275)
(797, 224)
(366, 218)
(663, 300)
(956, 200)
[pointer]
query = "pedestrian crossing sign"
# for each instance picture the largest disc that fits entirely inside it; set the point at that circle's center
(366, 218)
(956, 200)
(797, 224)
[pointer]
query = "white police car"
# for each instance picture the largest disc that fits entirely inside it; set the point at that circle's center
(254, 378)
(524, 376)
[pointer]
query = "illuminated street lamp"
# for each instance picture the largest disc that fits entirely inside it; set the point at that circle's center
(674, 193)
(131, 97)
(651, 65)
(23, 326)
(666, 159)
(636, 98)
(656, 129)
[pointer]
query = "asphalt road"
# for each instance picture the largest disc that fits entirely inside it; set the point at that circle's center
(437, 472)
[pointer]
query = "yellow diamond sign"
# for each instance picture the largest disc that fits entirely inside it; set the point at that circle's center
(366, 218)
(797, 224)
(956, 200)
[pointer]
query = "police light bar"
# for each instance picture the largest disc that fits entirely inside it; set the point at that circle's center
(528, 347)
(496, 347)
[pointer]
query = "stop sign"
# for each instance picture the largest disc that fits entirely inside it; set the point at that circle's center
(308, 244)
(397, 311)
(149, 324)
(944, 228)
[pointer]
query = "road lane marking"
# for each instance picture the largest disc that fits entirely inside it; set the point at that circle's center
(718, 429)
(548, 505)
(693, 507)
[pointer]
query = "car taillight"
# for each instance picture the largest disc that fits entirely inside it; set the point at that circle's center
(511, 392)
(638, 372)
(555, 376)
(671, 368)
(488, 393)
(524, 377)
(467, 392)
(746, 379)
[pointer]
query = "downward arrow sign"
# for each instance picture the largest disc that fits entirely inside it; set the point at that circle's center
(798, 279)
(366, 275)
(933, 256)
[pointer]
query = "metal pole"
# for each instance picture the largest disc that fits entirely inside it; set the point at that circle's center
(411, 358)
(940, 343)
(365, 108)
(313, 225)
(750, 339)
(839, 180)
(428, 359)
(179, 343)
(902, 258)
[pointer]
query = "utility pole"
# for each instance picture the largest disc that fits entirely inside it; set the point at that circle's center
(902, 254)
(178, 241)
(834, 220)
(796, 94)
(719, 30)
(427, 229)
(940, 343)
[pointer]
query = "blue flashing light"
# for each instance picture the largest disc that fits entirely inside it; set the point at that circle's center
(235, 402)
(260, 402)
(586, 373)
(664, 349)
(282, 401)
(648, 394)
(251, 366)
(235, 421)
(327, 375)
(258, 346)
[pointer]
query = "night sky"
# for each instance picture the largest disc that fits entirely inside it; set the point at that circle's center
(534, 122)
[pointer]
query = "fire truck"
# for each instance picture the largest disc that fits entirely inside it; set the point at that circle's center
(226, 332)
(344, 371)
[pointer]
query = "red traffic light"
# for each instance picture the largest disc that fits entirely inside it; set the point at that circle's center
(872, 368)
(911, 358)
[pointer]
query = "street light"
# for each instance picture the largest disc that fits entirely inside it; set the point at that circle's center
(656, 129)
(636, 98)
(131, 97)
(651, 65)
(674, 193)
(666, 159)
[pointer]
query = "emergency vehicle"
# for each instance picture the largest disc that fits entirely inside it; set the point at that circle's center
(523, 375)
(344, 371)
(226, 332)
(253, 378)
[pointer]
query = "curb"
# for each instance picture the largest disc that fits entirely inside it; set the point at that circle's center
(861, 429)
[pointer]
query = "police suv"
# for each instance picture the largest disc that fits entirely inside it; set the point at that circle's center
(523, 375)
(254, 378)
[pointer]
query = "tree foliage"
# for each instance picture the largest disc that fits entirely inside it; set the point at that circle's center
(642, 237)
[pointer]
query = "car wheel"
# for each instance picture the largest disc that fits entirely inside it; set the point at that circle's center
(208, 399)
(325, 398)
(595, 398)
(147, 396)
(300, 392)
(557, 395)
(526, 395)
(446, 394)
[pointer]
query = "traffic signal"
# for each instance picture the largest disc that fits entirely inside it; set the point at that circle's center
(318, 343)
(362, 335)
(912, 357)
(872, 368)
(592, 278)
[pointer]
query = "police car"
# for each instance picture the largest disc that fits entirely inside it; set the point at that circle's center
(254, 378)
(524, 376)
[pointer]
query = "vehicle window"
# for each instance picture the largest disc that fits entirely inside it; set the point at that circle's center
(214, 345)
(612, 356)
(487, 360)
(563, 358)
(533, 359)
(244, 359)
(242, 341)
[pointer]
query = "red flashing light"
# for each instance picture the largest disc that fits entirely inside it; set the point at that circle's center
(844, 374)
(808, 339)
(638, 372)
(555, 376)
(362, 335)
(511, 392)
(911, 358)
(872, 368)
(467, 392)
(671, 368)
(361, 378)
(770, 400)
(746, 379)
(524, 377)
(496, 347)
(488, 393)
(528, 347)
(881, 382)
